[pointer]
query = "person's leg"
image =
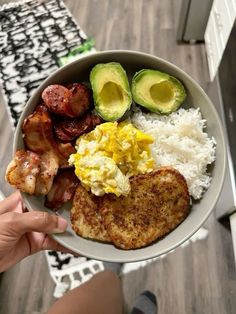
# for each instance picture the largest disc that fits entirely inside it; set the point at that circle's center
(101, 295)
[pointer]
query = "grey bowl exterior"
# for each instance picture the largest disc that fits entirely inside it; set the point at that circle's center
(134, 61)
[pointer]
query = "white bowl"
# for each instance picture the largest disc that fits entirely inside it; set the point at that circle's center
(133, 61)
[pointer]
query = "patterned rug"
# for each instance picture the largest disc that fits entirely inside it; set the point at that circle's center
(34, 38)
(37, 37)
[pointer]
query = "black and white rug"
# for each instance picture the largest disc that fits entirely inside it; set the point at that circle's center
(36, 37)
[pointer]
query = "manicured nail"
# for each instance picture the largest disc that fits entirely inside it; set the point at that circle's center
(61, 225)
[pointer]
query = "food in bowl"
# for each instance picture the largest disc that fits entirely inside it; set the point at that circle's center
(181, 142)
(108, 156)
(157, 91)
(157, 203)
(64, 101)
(122, 193)
(111, 91)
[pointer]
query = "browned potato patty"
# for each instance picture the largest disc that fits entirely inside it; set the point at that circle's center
(85, 217)
(159, 201)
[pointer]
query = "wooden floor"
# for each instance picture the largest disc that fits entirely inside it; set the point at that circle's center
(199, 278)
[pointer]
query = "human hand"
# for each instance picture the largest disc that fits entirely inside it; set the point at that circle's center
(25, 233)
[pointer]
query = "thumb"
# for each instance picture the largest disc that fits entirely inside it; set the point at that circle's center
(37, 221)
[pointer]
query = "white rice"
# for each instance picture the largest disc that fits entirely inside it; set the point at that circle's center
(180, 142)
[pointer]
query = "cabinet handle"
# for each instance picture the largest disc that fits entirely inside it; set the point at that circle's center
(219, 24)
(209, 49)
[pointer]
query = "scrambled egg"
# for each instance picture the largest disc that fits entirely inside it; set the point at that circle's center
(109, 155)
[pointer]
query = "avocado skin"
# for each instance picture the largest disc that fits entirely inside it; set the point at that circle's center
(101, 110)
(178, 88)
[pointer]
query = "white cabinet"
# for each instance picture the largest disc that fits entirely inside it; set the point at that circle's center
(219, 26)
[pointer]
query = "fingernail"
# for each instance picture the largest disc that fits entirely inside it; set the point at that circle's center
(61, 225)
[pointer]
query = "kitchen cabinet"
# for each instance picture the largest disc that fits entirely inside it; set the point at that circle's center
(220, 23)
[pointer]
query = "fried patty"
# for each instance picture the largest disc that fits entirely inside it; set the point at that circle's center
(159, 201)
(85, 216)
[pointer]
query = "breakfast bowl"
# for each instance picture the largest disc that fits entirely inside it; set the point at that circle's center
(132, 62)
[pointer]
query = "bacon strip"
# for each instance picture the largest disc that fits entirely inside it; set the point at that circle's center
(63, 189)
(38, 136)
(23, 170)
(32, 173)
(48, 169)
(37, 130)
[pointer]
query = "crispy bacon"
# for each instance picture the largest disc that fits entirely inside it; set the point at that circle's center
(38, 136)
(64, 150)
(32, 173)
(37, 130)
(69, 129)
(71, 102)
(48, 169)
(23, 170)
(63, 189)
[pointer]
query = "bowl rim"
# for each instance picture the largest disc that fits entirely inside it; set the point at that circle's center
(219, 123)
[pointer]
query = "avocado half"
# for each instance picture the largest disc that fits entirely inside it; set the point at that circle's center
(111, 91)
(157, 91)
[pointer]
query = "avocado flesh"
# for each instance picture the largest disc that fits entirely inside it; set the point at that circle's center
(111, 91)
(157, 91)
